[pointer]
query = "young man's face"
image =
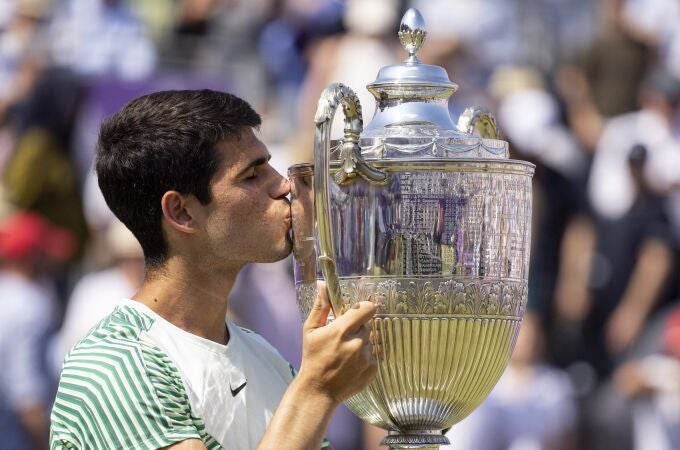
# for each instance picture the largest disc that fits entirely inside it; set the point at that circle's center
(248, 219)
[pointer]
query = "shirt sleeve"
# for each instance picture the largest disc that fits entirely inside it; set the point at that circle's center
(120, 396)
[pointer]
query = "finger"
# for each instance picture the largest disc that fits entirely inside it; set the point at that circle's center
(364, 333)
(369, 353)
(320, 309)
(356, 316)
(361, 339)
(371, 369)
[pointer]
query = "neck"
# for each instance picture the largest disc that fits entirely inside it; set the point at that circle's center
(189, 298)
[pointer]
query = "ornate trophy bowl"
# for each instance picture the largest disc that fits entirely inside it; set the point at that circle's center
(430, 221)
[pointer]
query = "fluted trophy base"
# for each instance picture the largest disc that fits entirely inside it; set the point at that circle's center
(422, 440)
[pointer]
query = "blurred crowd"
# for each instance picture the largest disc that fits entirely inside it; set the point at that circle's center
(588, 90)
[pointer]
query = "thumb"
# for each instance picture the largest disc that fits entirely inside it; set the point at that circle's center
(320, 310)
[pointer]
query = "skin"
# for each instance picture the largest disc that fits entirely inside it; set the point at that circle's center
(247, 221)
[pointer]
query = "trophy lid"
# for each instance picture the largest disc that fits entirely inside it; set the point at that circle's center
(412, 119)
(396, 80)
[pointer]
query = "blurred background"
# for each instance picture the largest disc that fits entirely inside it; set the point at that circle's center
(588, 90)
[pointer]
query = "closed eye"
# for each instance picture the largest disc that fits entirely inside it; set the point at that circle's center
(251, 171)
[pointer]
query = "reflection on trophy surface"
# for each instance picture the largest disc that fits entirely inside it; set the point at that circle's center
(431, 221)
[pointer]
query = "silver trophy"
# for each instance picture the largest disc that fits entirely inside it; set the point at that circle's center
(432, 222)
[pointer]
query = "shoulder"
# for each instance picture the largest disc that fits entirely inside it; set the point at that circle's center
(117, 353)
(110, 361)
(117, 390)
(117, 334)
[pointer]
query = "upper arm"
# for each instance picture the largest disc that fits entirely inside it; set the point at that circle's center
(114, 396)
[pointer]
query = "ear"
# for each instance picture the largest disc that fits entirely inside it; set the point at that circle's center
(177, 212)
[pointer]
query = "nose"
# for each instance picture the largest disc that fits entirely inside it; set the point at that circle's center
(281, 186)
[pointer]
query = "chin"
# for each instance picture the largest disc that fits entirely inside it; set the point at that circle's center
(279, 253)
(288, 248)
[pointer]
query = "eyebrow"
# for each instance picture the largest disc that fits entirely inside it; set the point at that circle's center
(254, 163)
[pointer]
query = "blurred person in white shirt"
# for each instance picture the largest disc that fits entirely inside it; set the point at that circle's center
(610, 187)
(29, 245)
(97, 293)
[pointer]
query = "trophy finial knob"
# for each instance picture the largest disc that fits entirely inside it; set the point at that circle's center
(412, 33)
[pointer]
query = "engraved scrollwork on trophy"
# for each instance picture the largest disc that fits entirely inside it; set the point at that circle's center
(445, 148)
(443, 298)
(409, 148)
(507, 302)
(393, 298)
(440, 308)
(421, 297)
(414, 131)
(458, 299)
(473, 299)
(516, 298)
(357, 291)
(496, 147)
(376, 150)
(492, 298)
(411, 142)
(426, 297)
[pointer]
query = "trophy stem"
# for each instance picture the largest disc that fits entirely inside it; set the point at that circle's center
(422, 440)
(418, 446)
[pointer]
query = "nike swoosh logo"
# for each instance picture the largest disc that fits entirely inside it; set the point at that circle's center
(234, 392)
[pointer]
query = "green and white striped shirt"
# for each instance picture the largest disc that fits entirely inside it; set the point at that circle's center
(139, 382)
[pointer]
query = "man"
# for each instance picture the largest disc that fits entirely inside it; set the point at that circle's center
(186, 173)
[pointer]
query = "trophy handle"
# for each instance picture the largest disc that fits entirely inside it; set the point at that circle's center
(352, 164)
(481, 119)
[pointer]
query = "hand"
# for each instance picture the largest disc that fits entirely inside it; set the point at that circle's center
(337, 359)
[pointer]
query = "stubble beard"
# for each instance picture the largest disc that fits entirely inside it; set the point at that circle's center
(287, 250)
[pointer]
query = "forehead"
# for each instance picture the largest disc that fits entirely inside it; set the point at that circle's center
(238, 152)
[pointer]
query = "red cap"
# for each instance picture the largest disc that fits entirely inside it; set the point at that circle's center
(25, 234)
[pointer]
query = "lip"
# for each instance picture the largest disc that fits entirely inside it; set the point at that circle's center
(288, 219)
